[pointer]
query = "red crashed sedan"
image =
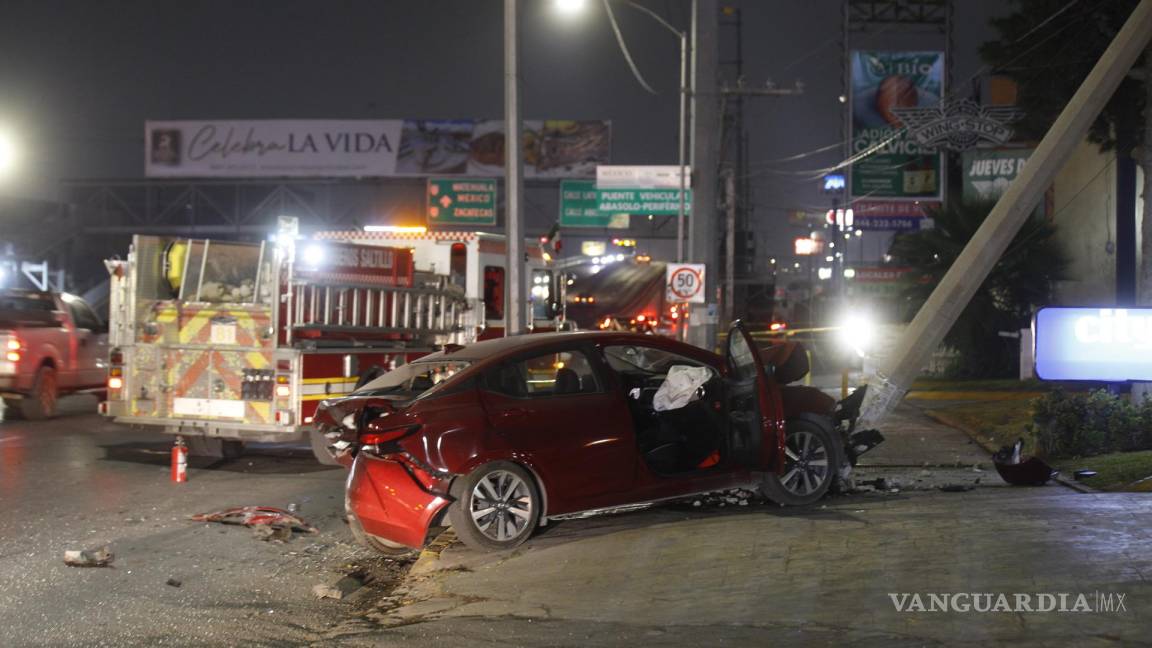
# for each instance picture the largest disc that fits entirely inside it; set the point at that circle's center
(502, 436)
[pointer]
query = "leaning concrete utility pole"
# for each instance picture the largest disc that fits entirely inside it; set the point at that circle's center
(962, 280)
(514, 296)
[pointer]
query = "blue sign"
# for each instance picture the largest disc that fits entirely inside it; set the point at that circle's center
(834, 182)
(1104, 344)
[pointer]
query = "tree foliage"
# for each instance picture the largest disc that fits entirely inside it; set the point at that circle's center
(1049, 47)
(1020, 282)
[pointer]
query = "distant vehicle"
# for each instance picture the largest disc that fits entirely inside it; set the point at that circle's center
(226, 342)
(53, 344)
(502, 436)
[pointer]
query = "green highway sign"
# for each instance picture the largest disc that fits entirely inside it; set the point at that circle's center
(461, 201)
(661, 202)
(578, 205)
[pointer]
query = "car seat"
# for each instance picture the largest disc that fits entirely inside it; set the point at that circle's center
(567, 382)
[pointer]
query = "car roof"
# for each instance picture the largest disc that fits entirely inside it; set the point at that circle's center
(487, 349)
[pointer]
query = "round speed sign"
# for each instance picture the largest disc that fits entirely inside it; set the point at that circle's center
(686, 282)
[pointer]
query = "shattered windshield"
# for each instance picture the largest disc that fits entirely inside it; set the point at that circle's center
(413, 379)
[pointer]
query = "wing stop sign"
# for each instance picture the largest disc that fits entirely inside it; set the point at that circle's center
(685, 283)
(1102, 344)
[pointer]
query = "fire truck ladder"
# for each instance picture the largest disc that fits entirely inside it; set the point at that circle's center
(436, 308)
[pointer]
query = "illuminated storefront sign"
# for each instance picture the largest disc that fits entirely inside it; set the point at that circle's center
(1105, 344)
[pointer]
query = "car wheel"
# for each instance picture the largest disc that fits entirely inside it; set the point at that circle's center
(497, 506)
(811, 462)
(376, 543)
(321, 448)
(41, 403)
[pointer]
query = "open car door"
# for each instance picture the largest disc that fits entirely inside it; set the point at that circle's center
(756, 427)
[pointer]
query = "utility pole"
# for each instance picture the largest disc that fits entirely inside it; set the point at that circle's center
(705, 126)
(514, 296)
(955, 290)
(729, 245)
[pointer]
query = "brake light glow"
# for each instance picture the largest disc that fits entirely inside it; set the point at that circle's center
(13, 344)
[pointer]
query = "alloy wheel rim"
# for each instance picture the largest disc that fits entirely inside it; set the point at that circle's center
(501, 506)
(806, 463)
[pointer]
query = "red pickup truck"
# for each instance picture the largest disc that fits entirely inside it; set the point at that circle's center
(52, 344)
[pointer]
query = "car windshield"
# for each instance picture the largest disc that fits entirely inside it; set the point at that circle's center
(413, 379)
(645, 359)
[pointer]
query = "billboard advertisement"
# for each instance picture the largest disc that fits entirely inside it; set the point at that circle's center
(988, 172)
(883, 82)
(369, 148)
(1105, 344)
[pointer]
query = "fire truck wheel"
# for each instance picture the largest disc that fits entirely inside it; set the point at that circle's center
(41, 403)
(199, 446)
(320, 449)
(12, 409)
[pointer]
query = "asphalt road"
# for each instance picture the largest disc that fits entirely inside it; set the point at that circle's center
(80, 482)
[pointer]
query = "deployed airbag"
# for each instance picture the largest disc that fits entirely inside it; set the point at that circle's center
(680, 387)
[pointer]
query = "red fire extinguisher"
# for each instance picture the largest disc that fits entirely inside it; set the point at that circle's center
(179, 461)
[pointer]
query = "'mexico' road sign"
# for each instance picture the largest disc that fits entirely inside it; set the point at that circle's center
(663, 202)
(685, 282)
(463, 201)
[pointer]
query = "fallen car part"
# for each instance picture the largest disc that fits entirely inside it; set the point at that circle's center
(89, 557)
(255, 515)
(1083, 474)
(1017, 470)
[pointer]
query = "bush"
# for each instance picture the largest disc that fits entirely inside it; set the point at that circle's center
(1083, 424)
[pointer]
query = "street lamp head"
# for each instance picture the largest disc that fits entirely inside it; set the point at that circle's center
(569, 6)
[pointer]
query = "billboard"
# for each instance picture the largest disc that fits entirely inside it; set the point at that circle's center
(883, 82)
(988, 172)
(1105, 344)
(369, 148)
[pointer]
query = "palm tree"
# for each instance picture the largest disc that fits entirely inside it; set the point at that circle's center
(1019, 283)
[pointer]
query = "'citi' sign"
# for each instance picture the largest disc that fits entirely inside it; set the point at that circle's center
(1104, 344)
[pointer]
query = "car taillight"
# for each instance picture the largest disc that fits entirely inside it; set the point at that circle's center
(380, 440)
(116, 357)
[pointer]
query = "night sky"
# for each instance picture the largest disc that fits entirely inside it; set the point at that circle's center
(78, 79)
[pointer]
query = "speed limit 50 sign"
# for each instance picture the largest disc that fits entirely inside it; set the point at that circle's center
(685, 283)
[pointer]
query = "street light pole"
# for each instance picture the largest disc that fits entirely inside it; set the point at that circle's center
(683, 144)
(513, 177)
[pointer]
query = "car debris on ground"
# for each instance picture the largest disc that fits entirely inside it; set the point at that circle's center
(1018, 470)
(101, 557)
(271, 524)
(343, 587)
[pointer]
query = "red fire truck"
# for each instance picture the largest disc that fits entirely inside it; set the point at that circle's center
(225, 342)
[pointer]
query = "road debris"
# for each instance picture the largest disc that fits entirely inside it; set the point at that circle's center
(957, 488)
(89, 557)
(343, 587)
(1084, 474)
(280, 523)
(1017, 470)
(173, 582)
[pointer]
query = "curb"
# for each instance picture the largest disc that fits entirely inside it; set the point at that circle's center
(975, 436)
(973, 395)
